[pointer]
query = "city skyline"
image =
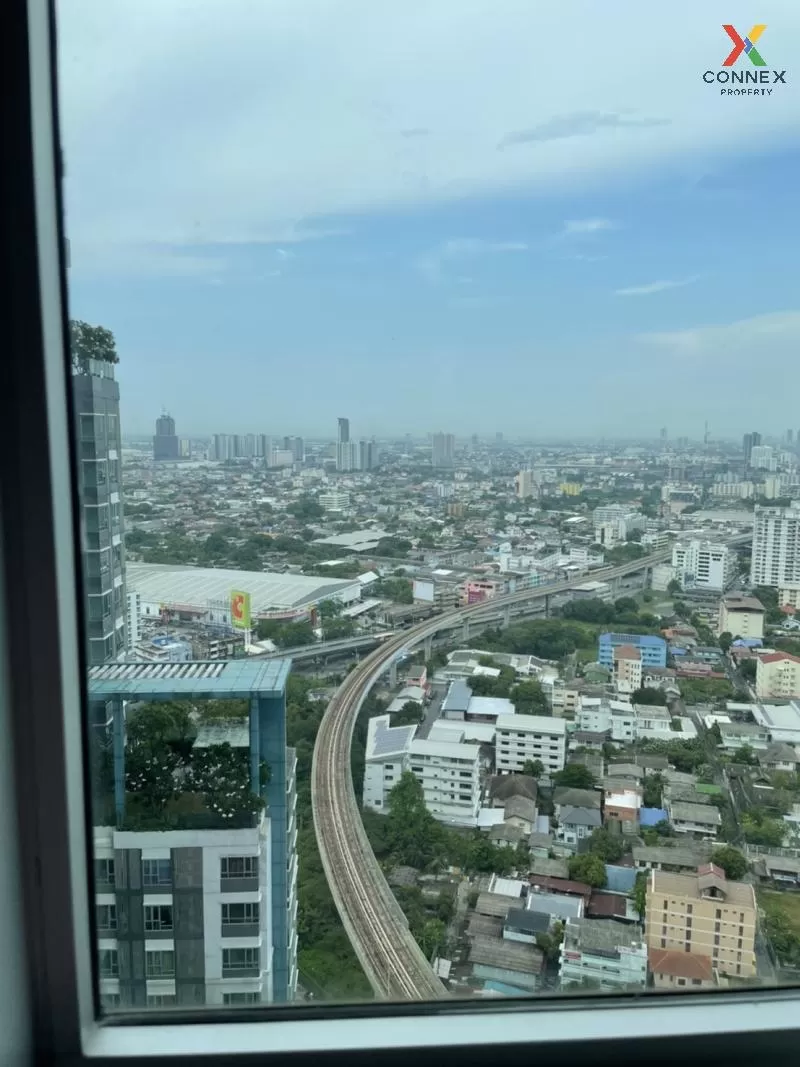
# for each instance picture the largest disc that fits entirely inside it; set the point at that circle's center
(484, 249)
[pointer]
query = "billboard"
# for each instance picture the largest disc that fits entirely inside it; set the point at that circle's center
(423, 590)
(240, 610)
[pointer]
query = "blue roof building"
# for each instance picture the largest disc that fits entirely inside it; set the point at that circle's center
(652, 649)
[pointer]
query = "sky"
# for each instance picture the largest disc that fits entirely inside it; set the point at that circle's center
(458, 215)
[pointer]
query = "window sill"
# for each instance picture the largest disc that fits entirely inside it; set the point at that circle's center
(661, 1022)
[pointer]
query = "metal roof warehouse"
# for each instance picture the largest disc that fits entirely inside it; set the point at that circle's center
(196, 588)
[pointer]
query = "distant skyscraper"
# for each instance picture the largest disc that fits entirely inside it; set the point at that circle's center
(775, 557)
(298, 449)
(663, 434)
(789, 437)
(443, 450)
(498, 437)
(748, 442)
(165, 443)
(366, 455)
(344, 459)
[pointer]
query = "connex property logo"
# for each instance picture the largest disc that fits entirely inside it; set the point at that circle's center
(744, 81)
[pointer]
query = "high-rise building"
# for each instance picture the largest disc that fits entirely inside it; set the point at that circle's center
(775, 557)
(705, 915)
(344, 455)
(748, 442)
(200, 907)
(524, 485)
(165, 442)
(96, 404)
(443, 450)
(762, 457)
(789, 437)
(366, 455)
(663, 435)
(703, 565)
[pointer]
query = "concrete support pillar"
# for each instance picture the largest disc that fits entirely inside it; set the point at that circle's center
(547, 606)
(465, 630)
(507, 615)
(428, 647)
(393, 673)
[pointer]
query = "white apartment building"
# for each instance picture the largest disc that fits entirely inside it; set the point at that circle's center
(334, 500)
(776, 550)
(777, 676)
(763, 458)
(185, 917)
(654, 723)
(598, 715)
(525, 485)
(520, 738)
(602, 950)
(742, 490)
(448, 768)
(782, 721)
(703, 565)
(740, 615)
(450, 775)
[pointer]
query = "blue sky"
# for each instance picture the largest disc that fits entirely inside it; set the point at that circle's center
(466, 216)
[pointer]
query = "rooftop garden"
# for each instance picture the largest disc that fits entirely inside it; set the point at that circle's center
(188, 767)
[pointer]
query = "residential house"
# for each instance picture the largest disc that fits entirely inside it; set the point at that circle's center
(499, 962)
(653, 722)
(502, 787)
(779, 757)
(783, 871)
(782, 721)
(565, 796)
(622, 806)
(520, 812)
(671, 969)
(699, 820)
(576, 823)
(549, 868)
(736, 735)
(629, 771)
(664, 858)
(603, 951)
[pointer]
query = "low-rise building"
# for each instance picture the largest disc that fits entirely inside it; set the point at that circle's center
(677, 858)
(652, 649)
(741, 616)
(622, 806)
(777, 676)
(703, 914)
(736, 735)
(521, 738)
(699, 820)
(627, 670)
(781, 721)
(653, 722)
(575, 824)
(703, 565)
(603, 951)
(671, 969)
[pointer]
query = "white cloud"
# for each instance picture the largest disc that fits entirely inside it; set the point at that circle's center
(654, 287)
(201, 124)
(775, 334)
(432, 264)
(573, 227)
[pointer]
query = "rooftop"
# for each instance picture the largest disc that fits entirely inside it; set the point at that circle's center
(491, 706)
(688, 885)
(739, 602)
(210, 679)
(168, 583)
(603, 935)
(508, 955)
(685, 811)
(680, 964)
(384, 740)
(532, 724)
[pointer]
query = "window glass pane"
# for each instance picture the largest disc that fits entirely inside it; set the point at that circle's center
(440, 568)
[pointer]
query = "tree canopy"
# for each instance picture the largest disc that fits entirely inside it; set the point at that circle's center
(575, 775)
(731, 860)
(91, 342)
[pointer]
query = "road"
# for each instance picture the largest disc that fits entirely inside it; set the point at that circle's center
(393, 962)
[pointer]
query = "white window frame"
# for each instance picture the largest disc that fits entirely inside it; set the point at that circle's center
(53, 904)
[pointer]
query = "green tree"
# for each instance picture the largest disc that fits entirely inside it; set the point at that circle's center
(606, 845)
(410, 713)
(731, 861)
(589, 869)
(533, 767)
(529, 698)
(330, 609)
(674, 588)
(640, 893)
(725, 640)
(575, 775)
(650, 696)
(432, 937)
(653, 790)
(90, 342)
(748, 668)
(413, 836)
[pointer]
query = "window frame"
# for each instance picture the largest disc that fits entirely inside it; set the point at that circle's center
(39, 539)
